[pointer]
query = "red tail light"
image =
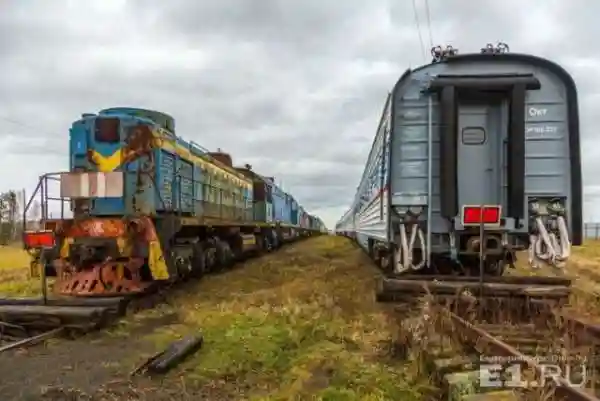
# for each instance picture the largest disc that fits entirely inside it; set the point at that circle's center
(38, 239)
(473, 215)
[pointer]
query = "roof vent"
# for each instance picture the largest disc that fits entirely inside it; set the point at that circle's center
(500, 48)
(440, 54)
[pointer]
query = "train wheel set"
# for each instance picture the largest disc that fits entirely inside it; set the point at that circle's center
(175, 252)
(75, 309)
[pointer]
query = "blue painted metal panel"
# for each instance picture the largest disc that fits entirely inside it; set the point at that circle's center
(197, 207)
(184, 186)
(78, 143)
(287, 212)
(294, 212)
(278, 204)
(176, 185)
(165, 179)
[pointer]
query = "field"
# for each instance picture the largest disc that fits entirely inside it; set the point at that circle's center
(14, 273)
(299, 324)
(584, 269)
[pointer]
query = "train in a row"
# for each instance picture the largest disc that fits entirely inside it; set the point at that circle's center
(476, 157)
(147, 205)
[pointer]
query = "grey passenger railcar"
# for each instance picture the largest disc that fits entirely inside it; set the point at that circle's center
(469, 143)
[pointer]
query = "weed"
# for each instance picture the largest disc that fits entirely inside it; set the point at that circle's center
(583, 268)
(302, 324)
(15, 278)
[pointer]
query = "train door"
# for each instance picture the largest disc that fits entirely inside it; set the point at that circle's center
(269, 201)
(479, 162)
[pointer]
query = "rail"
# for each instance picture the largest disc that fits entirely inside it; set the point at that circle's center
(520, 319)
(485, 342)
(32, 339)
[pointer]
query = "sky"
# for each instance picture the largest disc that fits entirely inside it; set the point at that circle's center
(294, 88)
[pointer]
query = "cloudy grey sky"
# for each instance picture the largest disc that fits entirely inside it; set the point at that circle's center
(293, 87)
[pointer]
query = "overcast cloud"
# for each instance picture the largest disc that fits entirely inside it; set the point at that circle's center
(294, 88)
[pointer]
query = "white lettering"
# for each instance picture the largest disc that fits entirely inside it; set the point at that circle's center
(495, 375)
(553, 372)
(489, 375)
(535, 112)
(543, 129)
(514, 376)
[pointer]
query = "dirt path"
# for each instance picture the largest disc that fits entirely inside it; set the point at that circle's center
(94, 367)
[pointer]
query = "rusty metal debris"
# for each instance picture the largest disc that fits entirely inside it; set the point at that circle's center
(515, 318)
(489, 344)
(32, 340)
(163, 361)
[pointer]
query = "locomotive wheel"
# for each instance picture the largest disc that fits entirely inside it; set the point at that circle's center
(386, 263)
(198, 261)
(210, 258)
(223, 254)
(260, 243)
(184, 267)
(495, 267)
(268, 242)
(274, 240)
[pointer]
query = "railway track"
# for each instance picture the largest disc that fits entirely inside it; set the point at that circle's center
(505, 338)
(28, 321)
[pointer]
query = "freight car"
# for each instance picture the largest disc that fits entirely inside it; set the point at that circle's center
(149, 206)
(476, 156)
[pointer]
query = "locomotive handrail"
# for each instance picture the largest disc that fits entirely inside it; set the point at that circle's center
(216, 207)
(199, 147)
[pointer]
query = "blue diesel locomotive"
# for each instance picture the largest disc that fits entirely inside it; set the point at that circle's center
(148, 205)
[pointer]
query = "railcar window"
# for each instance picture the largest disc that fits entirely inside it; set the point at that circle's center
(107, 130)
(473, 136)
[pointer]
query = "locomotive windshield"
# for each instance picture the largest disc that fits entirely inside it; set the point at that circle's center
(107, 130)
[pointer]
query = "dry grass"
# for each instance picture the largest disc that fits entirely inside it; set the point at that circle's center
(14, 273)
(583, 269)
(300, 324)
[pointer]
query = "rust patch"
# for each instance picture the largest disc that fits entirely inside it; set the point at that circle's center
(139, 141)
(107, 278)
(92, 227)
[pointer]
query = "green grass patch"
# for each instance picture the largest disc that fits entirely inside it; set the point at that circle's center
(300, 324)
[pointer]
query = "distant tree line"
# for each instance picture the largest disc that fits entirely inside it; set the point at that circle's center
(11, 216)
